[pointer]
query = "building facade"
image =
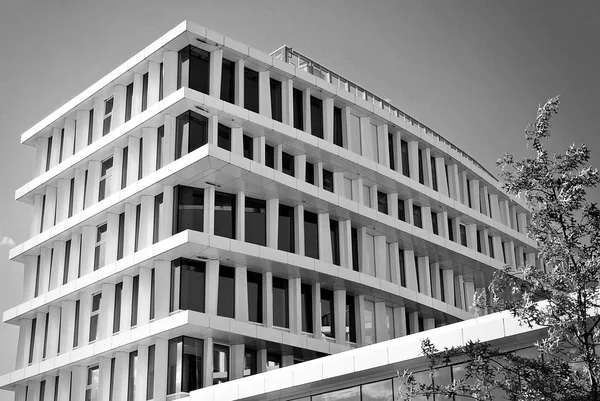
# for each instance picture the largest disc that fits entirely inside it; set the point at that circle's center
(207, 212)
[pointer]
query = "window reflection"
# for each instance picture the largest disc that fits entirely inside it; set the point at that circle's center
(378, 391)
(184, 365)
(220, 364)
(191, 133)
(347, 394)
(327, 313)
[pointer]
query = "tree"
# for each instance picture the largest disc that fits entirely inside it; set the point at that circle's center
(562, 295)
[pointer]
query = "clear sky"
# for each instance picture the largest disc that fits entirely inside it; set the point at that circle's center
(474, 71)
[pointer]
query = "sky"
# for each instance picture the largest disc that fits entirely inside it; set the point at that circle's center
(473, 71)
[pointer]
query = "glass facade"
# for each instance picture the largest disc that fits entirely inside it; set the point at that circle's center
(281, 302)
(194, 67)
(228, 81)
(327, 313)
(255, 297)
(251, 90)
(298, 109)
(189, 209)
(191, 132)
(276, 100)
(286, 234)
(311, 235)
(184, 365)
(187, 285)
(255, 213)
(225, 215)
(220, 364)
(338, 133)
(316, 117)
(306, 303)
(226, 296)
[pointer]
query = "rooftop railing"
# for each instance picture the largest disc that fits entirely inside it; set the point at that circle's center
(291, 56)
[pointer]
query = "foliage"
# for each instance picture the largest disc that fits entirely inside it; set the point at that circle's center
(562, 295)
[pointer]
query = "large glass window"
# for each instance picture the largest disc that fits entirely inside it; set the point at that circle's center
(276, 104)
(287, 164)
(32, 340)
(285, 237)
(421, 169)
(121, 236)
(226, 297)
(328, 180)
(100, 248)
(434, 183)
(316, 117)
(369, 322)
(404, 154)
(135, 296)
(91, 388)
(124, 167)
(306, 307)
(67, 261)
(220, 364)
(108, 111)
(105, 178)
(194, 69)
(463, 234)
(327, 313)
(150, 372)
(389, 315)
(355, 254)
(187, 285)
(391, 153)
(417, 218)
(450, 229)
(248, 147)
(338, 134)
(434, 223)
(191, 133)
(347, 394)
(189, 213)
(382, 202)
(334, 231)
(311, 235)
(94, 316)
(158, 212)
(145, 91)
(224, 137)
(350, 320)
(225, 215)
(378, 391)
(256, 221)
(310, 173)
(280, 302)
(128, 101)
(228, 81)
(184, 365)
(255, 312)
(298, 110)
(251, 90)
(117, 309)
(75, 327)
(132, 379)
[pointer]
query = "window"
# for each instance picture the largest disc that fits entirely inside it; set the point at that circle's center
(117, 310)
(71, 197)
(121, 236)
(128, 101)
(367, 196)
(135, 297)
(491, 246)
(224, 137)
(350, 320)
(382, 202)
(158, 212)
(228, 81)
(306, 307)
(479, 234)
(42, 390)
(251, 90)
(225, 215)
(108, 109)
(145, 91)
(369, 322)
(256, 221)
(434, 182)
(450, 229)
(220, 364)
(389, 315)
(338, 133)
(434, 223)
(184, 365)
(311, 235)
(287, 164)
(36, 291)
(194, 69)
(160, 81)
(138, 222)
(404, 154)
(417, 218)
(281, 301)
(105, 178)
(327, 180)
(402, 267)
(32, 339)
(100, 250)
(355, 255)
(417, 273)
(132, 379)
(67, 262)
(76, 325)
(152, 294)
(269, 156)
(124, 167)
(94, 316)
(160, 144)
(273, 362)
(286, 235)
(91, 388)
(45, 344)
(189, 202)
(226, 296)
(48, 153)
(421, 161)
(248, 147)
(369, 249)
(141, 160)
(442, 289)
(316, 117)
(276, 103)
(255, 312)
(191, 133)
(44, 204)
(327, 313)
(298, 110)
(150, 376)
(463, 234)
(469, 193)
(334, 230)
(310, 173)
(250, 363)
(62, 142)
(401, 210)
(391, 152)
(187, 285)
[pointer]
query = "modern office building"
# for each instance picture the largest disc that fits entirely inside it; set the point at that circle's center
(207, 212)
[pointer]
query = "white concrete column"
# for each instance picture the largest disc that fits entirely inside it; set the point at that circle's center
(29, 277)
(469, 296)
(93, 183)
(166, 219)
(104, 378)
(410, 270)
(67, 325)
(495, 208)
(241, 294)
(426, 219)
(239, 82)
(68, 139)
(85, 309)
(424, 275)
(498, 249)
(394, 262)
(78, 191)
(209, 210)
(98, 120)
(153, 83)
(170, 66)
(207, 365)
(216, 62)
(359, 318)
(459, 293)
(472, 236)
(88, 243)
(380, 330)
(74, 258)
(50, 207)
(504, 213)
(440, 172)
(126, 303)
(133, 159)
(436, 290)
(522, 222)
(413, 159)
(427, 174)
(149, 151)
(413, 322)
(306, 110)
(112, 239)
(20, 392)
(55, 150)
(45, 267)
(81, 129)
(146, 222)
(62, 195)
(237, 141)
(212, 287)
(107, 310)
(383, 145)
(57, 264)
(272, 222)
(144, 295)
(474, 188)
(299, 229)
(463, 189)
(267, 298)
(38, 346)
(365, 139)
(264, 93)
(41, 153)
(339, 315)
(64, 385)
(160, 369)
(119, 105)
(295, 311)
(453, 182)
(400, 321)
(328, 119)
(53, 331)
(36, 220)
(22, 359)
(240, 216)
(345, 227)
(381, 256)
(316, 310)
(138, 87)
(325, 253)
(287, 94)
(121, 376)
(443, 224)
(49, 387)
(33, 390)
(162, 282)
(141, 379)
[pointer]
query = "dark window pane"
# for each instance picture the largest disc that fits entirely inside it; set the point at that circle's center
(391, 152)
(491, 246)
(226, 298)
(134, 300)
(256, 221)
(228, 81)
(417, 216)
(158, 209)
(355, 255)
(316, 117)
(188, 285)
(251, 90)
(192, 133)
(350, 320)
(402, 268)
(421, 161)
(310, 173)
(327, 313)
(225, 215)
(121, 236)
(382, 204)
(128, 102)
(160, 143)
(132, 379)
(463, 235)
(334, 230)
(311, 235)
(67, 261)
(298, 110)
(124, 167)
(160, 81)
(255, 312)
(306, 301)
(286, 235)
(194, 67)
(220, 364)
(248, 147)
(184, 365)
(250, 363)
(276, 104)
(152, 294)
(434, 223)
(150, 371)
(287, 164)
(434, 183)
(145, 91)
(224, 137)
(269, 156)
(117, 311)
(280, 302)
(405, 163)
(189, 204)
(378, 391)
(338, 135)
(327, 180)
(450, 229)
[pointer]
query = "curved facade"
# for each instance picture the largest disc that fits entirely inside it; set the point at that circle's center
(206, 212)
